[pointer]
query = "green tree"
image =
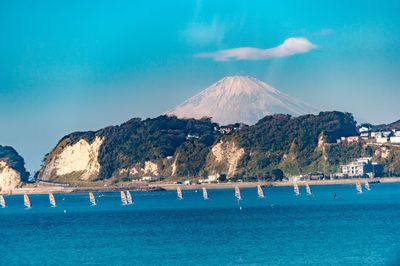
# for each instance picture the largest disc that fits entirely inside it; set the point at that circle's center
(369, 151)
(222, 178)
(277, 174)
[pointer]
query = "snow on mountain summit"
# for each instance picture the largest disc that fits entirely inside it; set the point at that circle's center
(240, 99)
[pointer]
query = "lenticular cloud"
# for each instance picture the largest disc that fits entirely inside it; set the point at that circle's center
(289, 47)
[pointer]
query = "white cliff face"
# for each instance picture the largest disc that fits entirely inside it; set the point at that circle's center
(150, 168)
(79, 157)
(174, 166)
(128, 171)
(9, 178)
(322, 147)
(227, 154)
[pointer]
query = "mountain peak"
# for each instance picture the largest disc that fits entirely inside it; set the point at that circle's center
(240, 99)
(244, 84)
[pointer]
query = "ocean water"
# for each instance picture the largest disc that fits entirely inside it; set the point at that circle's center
(281, 229)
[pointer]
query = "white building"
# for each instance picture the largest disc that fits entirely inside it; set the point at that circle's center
(364, 135)
(395, 140)
(381, 134)
(381, 139)
(192, 136)
(352, 139)
(364, 160)
(363, 129)
(374, 134)
(150, 178)
(361, 167)
(213, 178)
(353, 169)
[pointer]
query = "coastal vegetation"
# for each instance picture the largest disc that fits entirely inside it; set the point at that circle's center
(295, 145)
(167, 146)
(139, 141)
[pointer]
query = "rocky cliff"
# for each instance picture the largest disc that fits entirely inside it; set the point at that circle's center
(12, 169)
(164, 146)
(73, 159)
(225, 157)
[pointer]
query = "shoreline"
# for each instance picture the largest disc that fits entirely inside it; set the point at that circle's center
(232, 185)
(160, 186)
(42, 189)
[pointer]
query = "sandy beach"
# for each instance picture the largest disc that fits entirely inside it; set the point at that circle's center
(157, 186)
(167, 186)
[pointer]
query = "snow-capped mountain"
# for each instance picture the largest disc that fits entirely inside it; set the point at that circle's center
(240, 99)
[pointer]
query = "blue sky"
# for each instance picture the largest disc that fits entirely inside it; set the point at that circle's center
(82, 65)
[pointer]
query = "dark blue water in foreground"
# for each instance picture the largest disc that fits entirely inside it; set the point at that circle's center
(161, 230)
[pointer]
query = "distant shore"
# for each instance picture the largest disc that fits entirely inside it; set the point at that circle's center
(43, 189)
(352, 181)
(159, 186)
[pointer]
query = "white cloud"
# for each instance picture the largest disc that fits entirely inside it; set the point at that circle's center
(289, 47)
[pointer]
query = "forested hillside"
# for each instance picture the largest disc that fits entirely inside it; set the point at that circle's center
(168, 146)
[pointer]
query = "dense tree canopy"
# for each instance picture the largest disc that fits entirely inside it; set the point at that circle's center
(279, 142)
(282, 139)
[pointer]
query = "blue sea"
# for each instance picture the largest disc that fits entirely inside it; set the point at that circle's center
(281, 229)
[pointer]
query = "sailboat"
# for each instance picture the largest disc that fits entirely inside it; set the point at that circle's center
(205, 193)
(308, 189)
(27, 202)
(52, 200)
(129, 198)
(358, 187)
(179, 193)
(296, 189)
(237, 193)
(2, 201)
(123, 198)
(367, 186)
(92, 199)
(260, 192)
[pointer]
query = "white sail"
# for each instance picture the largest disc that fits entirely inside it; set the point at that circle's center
(296, 189)
(260, 192)
(179, 193)
(205, 193)
(123, 198)
(367, 186)
(237, 193)
(52, 200)
(92, 199)
(27, 201)
(308, 189)
(358, 187)
(129, 198)
(2, 201)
